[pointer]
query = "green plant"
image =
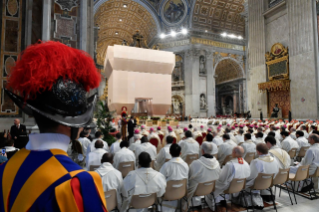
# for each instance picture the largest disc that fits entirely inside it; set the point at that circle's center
(104, 116)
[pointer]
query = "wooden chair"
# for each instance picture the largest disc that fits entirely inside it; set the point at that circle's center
(93, 167)
(143, 201)
(236, 185)
(302, 152)
(216, 156)
(204, 189)
(190, 158)
(281, 178)
(316, 174)
(228, 158)
(126, 167)
(301, 175)
(111, 199)
(153, 164)
(249, 157)
(199, 139)
(292, 153)
(263, 182)
(154, 141)
(175, 190)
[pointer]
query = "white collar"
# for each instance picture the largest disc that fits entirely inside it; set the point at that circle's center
(46, 141)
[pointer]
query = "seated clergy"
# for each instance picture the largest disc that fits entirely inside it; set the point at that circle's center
(145, 146)
(235, 168)
(293, 133)
(259, 138)
(144, 180)
(311, 158)
(144, 131)
(266, 164)
(231, 135)
(217, 139)
(304, 130)
(164, 154)
(136, 140)
(153, 134)
(225, 148)
(170, 132)
(277, 141)
(281, 156)
(189, 145)
(94, 158)
(98, 136)
(240, 136)
(288, 143)
(202, 170)
(115, 147)
(301, 140)
(249, 146)
(124, 155)
(111, 178)
(174, 169)
(209, 139)
(85, 142)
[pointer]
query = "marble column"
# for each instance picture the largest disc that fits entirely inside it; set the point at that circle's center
(195, 82)
(46, 20)
(28, 17)
(210, 84)
(83, 24)
(188, 61)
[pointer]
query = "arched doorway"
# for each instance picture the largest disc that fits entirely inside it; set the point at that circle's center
(229, 80)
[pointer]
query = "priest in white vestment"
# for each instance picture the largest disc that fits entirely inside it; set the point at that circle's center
(293, 133)
(240, 137)
(202, 170)
(311, 158)
(288, 143)
(111, 178)
(115, 147)
(164, 154)
(225, 148)
(281, 156)
(146, 146)
(170, 132)
(278, 143)
(301, 140)
(259, 138)
(94, 157)
(153, 134)
(144, 131)
(136, 142)
(98, 136)
(189, 145)
(137, 134)
(144, 180)
(209, 139)
(174, 169)
(124, 155)
(304, 130)
(235, 168)
(85, 142)
(249, 146)
(217, 139)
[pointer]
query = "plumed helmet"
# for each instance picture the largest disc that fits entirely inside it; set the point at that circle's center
(53, 80)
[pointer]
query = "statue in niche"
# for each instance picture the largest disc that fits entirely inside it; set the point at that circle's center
(275, 112)
(176, 106)
(203, 103)
(202, 65)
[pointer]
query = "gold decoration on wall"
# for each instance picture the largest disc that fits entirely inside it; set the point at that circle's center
(276, 85)
(278, 62)
(219, 16)
(216, 44)
(105, 92)
(227, 70)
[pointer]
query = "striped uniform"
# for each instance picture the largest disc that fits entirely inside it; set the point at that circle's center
(48, 181)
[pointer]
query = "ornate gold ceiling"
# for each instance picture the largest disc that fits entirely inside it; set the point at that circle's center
(227, 70)
(219, 16)
(118, 23)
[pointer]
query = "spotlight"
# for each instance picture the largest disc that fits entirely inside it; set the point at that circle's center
(116, 33)
(240, 37)
(184, 31)
(125, 5)
(120, 19)
(206, 31)
(162, 36)
(224, 34)
(232, 36)
(173, 33)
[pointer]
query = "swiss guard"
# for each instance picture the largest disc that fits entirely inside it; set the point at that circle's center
(50, 82)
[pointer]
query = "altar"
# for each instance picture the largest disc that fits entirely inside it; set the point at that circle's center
(139, 79)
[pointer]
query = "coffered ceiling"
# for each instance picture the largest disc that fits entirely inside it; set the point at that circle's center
(118, 20)
(219, 16)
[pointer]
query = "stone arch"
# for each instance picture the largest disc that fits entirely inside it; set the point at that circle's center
(234, 61)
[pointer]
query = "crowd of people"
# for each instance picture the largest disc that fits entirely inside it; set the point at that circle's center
(224, 154)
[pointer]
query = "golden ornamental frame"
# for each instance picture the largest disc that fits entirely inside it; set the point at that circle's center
(278, 54)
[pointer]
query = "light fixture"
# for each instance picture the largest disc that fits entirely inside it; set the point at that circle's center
(224, 34)
(120, 19)
(173, 33)
(206, 31)
(162, 36)
(184, 31)
(116, 33)
(232, 36)
(125, 5)
(240, 37)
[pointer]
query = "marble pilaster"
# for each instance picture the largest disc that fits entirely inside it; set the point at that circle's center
(83, 24)
(46, 20)
(210, 84)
